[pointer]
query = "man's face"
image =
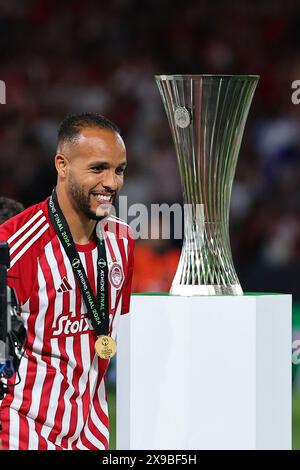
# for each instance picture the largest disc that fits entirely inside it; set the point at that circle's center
(95, 171)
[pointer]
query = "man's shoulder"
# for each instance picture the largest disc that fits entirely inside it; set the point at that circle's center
(33, 216)
(25, 231)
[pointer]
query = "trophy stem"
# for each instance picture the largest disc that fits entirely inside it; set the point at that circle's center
(207, 116)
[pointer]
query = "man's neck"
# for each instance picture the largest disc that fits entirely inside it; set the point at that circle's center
(82, 228)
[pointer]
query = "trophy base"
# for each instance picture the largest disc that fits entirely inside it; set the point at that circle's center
(189, 291)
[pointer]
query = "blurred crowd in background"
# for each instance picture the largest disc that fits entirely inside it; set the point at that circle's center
(62, 57)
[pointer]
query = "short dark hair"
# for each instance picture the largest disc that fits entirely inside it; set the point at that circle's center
(72, 125)
(9, 208)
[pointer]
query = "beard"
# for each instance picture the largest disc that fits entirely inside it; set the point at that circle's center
(83, 203)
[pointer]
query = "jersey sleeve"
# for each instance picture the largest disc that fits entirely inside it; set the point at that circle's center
(128, 279)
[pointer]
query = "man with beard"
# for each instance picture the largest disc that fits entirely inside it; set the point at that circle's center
(71, 267)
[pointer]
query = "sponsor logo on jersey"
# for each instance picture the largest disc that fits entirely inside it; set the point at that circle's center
(66, 325)
(116, 275)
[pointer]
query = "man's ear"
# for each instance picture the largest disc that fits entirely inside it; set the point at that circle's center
(61, 163)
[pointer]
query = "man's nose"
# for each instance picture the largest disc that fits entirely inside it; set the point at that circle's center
(110, 181)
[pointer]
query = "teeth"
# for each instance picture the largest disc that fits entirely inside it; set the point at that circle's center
(102, 197)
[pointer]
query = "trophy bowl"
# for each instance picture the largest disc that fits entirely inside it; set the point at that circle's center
(207, 116)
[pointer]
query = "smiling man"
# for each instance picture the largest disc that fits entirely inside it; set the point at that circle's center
(71, 267)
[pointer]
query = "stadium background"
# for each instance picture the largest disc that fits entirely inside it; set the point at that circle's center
(60, 57)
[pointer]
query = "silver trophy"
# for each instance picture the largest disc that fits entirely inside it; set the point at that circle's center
(207, 116)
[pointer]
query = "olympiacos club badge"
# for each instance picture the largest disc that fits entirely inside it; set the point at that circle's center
(116, 275)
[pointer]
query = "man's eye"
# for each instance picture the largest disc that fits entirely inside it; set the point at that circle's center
(96, 168)
(120, 171)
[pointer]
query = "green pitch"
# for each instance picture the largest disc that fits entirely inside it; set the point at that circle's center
(296, 421)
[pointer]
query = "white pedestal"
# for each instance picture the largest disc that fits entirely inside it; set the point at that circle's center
(205, 373)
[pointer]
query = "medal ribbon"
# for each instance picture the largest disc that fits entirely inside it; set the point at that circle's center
(97, 309)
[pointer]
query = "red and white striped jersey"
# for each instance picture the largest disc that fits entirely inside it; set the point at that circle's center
(60, 402)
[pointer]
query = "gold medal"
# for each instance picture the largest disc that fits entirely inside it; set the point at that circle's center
(105, 347)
